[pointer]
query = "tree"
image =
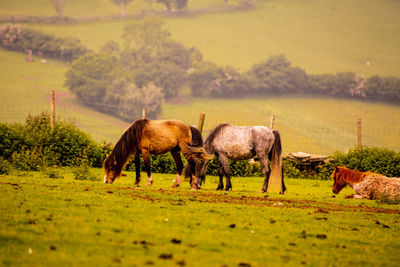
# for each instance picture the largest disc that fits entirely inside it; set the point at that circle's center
(144, 40)
(130, 100)
(205, 78)
(163, 74)
(122, 5)
(91, 75)
(59, 6)
(277, 76)
(174, 4)
(167, 3)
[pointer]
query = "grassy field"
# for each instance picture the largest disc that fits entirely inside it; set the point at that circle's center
(314, 124)
(309, 124)
(63, 221)
(319, 36)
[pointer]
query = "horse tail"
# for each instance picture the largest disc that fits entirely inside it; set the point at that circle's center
(276, 163)
(127, 144)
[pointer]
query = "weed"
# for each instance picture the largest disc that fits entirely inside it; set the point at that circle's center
(82, 169)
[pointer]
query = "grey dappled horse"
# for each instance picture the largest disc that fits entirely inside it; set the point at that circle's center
(244, 142)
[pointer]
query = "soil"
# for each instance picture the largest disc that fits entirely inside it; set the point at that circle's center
(209, 197)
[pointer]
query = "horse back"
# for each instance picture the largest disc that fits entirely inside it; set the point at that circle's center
(242, 142)
(161, 136)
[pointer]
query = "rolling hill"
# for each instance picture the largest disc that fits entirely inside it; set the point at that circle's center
(319, 36)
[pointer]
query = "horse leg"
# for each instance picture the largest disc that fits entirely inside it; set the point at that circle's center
(225, 168)
(146, 159)
(267, 173)
(137, 168)
(179, 167)
(221, 178)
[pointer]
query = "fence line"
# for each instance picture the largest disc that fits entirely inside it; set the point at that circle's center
(307, 135)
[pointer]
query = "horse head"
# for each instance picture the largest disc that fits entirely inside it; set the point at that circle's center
(338, 180)
(110, 170)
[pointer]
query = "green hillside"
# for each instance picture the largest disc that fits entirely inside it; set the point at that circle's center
(319, 36)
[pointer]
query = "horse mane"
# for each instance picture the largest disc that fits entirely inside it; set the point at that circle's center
(197, 139)
(127, 144)
(343, 174)
(210, 138)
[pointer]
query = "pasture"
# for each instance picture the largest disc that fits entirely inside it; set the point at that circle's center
(64, 221)
(319, 36)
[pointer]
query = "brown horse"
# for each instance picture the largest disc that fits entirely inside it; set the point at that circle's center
(367, 185)
(156, 137)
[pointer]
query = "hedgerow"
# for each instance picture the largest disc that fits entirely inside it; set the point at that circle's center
(18, 38)
(35, 144)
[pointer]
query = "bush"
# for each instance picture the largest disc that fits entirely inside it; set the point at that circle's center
(5, 166)
(36, 144)
(29, 160)
(374, 159)
(18, 38)
(82, 169)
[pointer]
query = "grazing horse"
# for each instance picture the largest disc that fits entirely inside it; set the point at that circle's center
(244, 142)
(156, 137)
(367, 185)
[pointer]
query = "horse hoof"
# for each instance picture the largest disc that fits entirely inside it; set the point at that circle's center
(263, 191)
(219, 188)
(175, 185)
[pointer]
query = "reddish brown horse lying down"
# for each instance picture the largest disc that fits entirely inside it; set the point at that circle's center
(366, 184)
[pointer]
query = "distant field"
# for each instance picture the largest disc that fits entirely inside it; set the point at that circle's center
(319, 36)
(25, 89)
(309, 124)
(51, 222)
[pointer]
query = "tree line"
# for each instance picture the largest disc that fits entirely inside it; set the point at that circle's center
(148, 66)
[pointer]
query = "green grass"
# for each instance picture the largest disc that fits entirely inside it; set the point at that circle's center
(25, 89)
(311, 124)
(319, 36)
(61, 221)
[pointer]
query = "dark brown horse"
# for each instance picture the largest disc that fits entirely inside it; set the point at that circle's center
(156, 137)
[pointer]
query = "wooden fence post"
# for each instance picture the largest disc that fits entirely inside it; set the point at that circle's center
(144, 113)
(359, 136)
(52, 109)
(29, 58)
(271, 122)
(201, 122)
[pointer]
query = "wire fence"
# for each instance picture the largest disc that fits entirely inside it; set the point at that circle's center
(305, 135)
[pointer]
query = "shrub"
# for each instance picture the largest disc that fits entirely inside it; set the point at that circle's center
(5, 166)
(18, 38)
(82, 169)
(29, 160)
(374, 159)
(35, 143)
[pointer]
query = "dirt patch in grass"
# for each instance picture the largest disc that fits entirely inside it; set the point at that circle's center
(161, 195)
